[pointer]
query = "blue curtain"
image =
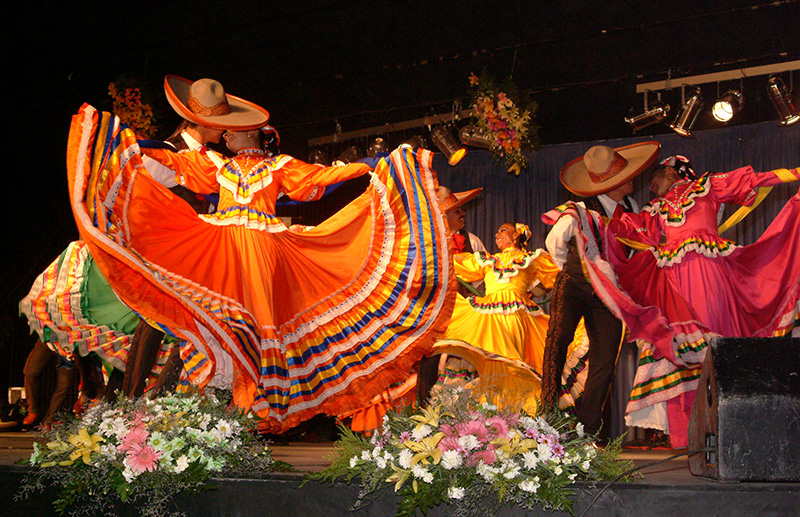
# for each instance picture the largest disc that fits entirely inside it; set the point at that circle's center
(524, 198)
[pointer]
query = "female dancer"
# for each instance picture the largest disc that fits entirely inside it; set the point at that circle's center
(694, 285)
(299, 323)
(502, 334)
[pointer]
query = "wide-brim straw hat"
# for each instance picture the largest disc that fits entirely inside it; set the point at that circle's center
(205, 102)
(602, 169)
(449, 200)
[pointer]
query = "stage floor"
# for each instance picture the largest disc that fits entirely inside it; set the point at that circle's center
(664, 489)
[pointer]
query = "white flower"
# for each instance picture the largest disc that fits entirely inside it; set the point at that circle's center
(456, 492)
(469, 442)
(558, 470)
(511, 470)
(585, 465)
(385, 419)
(531, 485)
(128, 474)
(486, 472)
(489, 407)
(224, 429)
(579, 429)
(366, 456)
(421, 432)
(405, 458)
(527, 422)
(353, 461)
(545, 452)
(376, 452)
(380, 461)
(422, 473)
(204, 421)
(572, 477)
(181, 464)
(530, 460)
(451, 459)
(388, 456)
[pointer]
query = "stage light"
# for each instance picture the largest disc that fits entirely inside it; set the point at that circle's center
(782, 101)
(445, 140)
(654, 115)
(417, 141)
(687, 115)
(349, 155)
(474, 136)
(317, 156)
(727, 105)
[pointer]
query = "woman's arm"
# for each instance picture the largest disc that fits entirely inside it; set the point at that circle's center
(303, 181)
(195, 170)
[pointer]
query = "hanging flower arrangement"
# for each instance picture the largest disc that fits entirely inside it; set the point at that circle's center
(467, 451)
(127, 104)
(506, 117)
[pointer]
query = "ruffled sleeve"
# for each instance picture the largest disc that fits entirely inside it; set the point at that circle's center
(741, 185)
(546, 270)
(195, 170)
(467, 267)
(302, 181)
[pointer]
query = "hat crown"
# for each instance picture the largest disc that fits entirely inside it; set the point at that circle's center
(207, 98)
(599, 157)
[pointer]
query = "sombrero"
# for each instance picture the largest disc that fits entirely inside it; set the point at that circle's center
(603, 169)
(449, 200)
(205, 102)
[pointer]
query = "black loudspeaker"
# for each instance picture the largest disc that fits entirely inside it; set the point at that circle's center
(748, 410)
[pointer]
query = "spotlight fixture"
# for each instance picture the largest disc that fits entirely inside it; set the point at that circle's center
(317, 156)
(654, 115)
(727, 105)
(377, 146)
(474, 136)
(687, 115)
(417, 141)
(445, 140)
(782, 101)
(349, 155)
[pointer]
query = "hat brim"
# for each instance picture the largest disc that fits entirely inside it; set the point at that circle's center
(463, 197)
(244, 115)
(640, 156)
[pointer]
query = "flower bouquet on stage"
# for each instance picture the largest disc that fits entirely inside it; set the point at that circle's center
(144, 450)
(468, 451)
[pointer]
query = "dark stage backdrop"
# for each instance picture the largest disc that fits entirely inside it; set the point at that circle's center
(524, 198)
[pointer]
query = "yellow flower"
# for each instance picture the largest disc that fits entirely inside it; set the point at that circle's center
(515, 169)
(425, 449)
(399, 477)
(473, 80)
(430, 416)
(515, 445)
(85, 445)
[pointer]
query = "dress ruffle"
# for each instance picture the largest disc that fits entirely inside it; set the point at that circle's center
(72, 309)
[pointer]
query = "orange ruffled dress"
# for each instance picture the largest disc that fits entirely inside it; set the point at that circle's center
(298, 323)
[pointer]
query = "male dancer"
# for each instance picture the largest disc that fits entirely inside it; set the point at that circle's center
(605, 176)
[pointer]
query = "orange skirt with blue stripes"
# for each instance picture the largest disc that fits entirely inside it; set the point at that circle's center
(298, 323)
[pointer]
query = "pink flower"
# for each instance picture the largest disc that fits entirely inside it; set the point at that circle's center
(474, 427)
(449, 443)
(143, 459)
(487, 456)
(558, 449)
(498, 427)
(135, 439)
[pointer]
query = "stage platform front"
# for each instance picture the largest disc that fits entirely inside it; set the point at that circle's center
(667, 489)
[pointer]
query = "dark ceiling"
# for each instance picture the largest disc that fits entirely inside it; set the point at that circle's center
(369, 63)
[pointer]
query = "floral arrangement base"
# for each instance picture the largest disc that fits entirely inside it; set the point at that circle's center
(475, 451)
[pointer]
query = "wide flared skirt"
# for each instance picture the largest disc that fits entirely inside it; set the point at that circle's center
(72, 309)
(297, 323)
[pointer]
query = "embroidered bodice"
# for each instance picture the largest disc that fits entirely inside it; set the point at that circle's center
(686, 215)
(249, 183)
